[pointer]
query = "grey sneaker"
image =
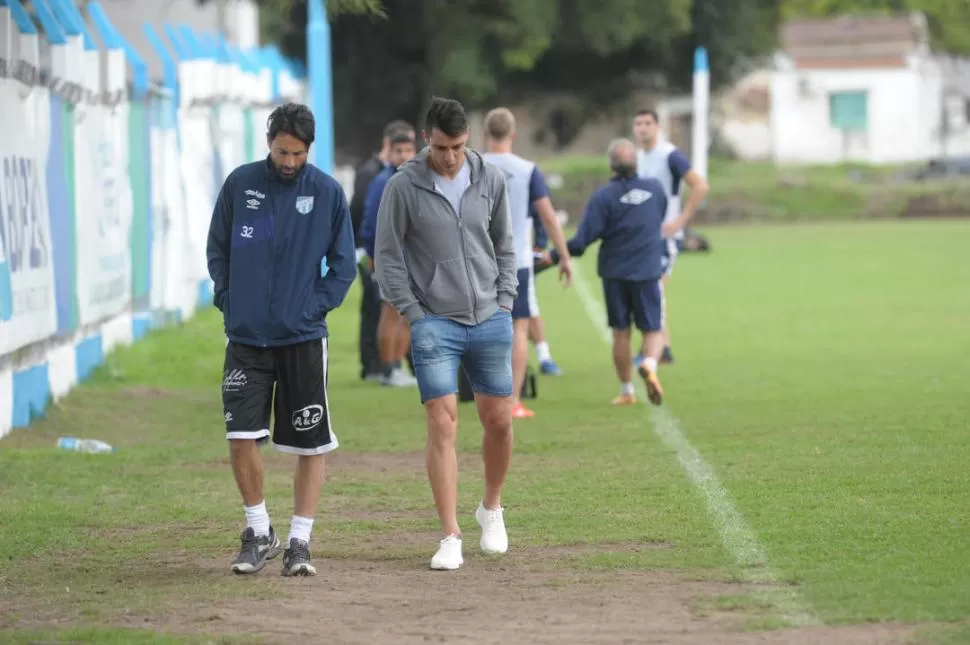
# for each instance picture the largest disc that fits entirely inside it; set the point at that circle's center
(296, 559)
(256, 551)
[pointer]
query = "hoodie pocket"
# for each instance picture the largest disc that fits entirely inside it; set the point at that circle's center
(484, 270)
(448, 291)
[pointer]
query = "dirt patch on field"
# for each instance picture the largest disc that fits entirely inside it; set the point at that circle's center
(147, 392)
(377, 589)
(488, 601)
(357, 465)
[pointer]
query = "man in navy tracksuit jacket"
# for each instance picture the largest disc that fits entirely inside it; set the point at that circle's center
(281, 254)
(627, 214)
(393, 332)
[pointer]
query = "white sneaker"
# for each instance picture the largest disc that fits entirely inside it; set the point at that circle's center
(400, 378)
(448, 557)
(494, 537)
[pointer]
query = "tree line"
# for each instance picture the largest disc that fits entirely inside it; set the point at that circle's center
(582, 57)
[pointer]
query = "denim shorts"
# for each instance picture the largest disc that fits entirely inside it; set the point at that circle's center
(439, 345)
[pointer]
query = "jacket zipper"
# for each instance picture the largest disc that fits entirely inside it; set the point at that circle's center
(461, 245)
(272, 267)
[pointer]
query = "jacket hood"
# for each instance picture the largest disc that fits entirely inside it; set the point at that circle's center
(420, 173)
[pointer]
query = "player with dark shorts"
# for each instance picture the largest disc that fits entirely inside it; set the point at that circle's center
(627, 214)
(281, 256)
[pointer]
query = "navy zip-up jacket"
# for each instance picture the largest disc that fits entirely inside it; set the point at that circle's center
(626, 214)
(368, 225)
(267, 240)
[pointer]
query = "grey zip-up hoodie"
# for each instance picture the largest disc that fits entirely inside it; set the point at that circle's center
(429, 259)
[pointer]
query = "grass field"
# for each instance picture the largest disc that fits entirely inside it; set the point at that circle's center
(768, 193)
(821, 374)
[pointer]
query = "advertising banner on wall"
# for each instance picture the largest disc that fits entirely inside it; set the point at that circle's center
(103, 213)
(28, 309)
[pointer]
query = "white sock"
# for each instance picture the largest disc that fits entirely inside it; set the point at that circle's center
(651, 364)
(627, 388)
(542, 352)
(300, 528)
(257, 518)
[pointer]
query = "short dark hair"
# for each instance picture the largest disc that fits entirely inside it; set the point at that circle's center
(648, 112)
(448, 115)
(293, 119)
(401, 136)
(397, 126)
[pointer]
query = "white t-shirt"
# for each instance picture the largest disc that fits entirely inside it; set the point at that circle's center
(454, 189)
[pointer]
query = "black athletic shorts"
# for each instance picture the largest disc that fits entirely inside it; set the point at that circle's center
(300, 408)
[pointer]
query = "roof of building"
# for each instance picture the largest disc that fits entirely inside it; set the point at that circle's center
(854, 41)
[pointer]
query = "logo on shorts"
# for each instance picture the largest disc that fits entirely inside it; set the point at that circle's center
(304, 204)
(233, 381)
(228, 416)
(307, 418)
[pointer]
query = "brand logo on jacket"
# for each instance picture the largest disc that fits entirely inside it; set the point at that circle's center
(251, 203)
(635, 197)
(304, 204)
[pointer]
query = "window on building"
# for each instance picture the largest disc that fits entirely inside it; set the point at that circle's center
(849, 111)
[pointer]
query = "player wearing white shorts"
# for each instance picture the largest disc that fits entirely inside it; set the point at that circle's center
(661, 160)
(526, 188)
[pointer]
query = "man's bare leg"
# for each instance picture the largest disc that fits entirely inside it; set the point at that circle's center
(247, 468)
(307, 483)
(259, 539)
(665, 332)
(651, 349)
(623, 364)
(537, 334)
(387, 334)
(441, 460)
(495, 414)
(520, 360)
(394, 338)
(403, 339)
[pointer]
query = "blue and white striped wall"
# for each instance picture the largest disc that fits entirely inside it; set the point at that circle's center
(144, 227)
(27, 392)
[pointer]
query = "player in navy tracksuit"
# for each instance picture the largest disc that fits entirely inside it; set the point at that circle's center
(274, 224)
(627, 214)
(393, 331)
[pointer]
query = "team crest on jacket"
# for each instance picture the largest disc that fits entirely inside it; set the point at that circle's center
(304, 204)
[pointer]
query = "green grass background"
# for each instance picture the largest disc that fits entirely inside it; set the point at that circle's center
(821, 370)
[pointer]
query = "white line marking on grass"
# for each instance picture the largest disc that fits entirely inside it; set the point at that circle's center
(738, 538)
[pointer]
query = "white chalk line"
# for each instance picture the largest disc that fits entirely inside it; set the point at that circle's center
(738, 539)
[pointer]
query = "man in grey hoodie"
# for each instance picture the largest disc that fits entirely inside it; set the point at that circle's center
(445, 258)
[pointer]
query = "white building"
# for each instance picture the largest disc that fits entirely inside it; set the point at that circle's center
(866, 90)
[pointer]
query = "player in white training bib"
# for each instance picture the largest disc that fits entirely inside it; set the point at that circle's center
(661, 160)
(526, 188)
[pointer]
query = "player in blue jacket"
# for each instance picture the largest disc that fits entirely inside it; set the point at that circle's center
(627, 214)
(393, 331)
(281, 255)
